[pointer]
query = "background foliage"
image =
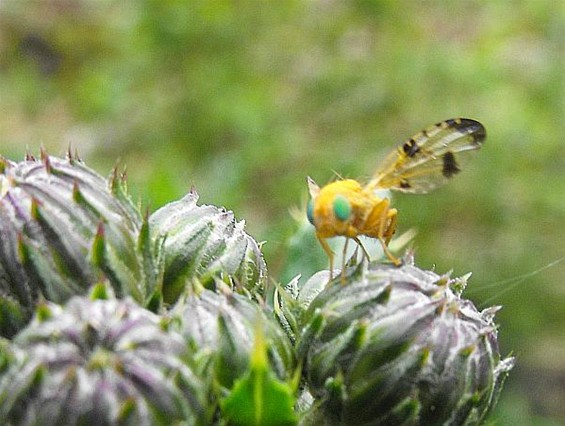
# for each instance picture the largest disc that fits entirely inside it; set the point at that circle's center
(245, 99)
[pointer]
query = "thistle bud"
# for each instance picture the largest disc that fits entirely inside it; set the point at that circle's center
(63, 229)
(222, 329)
(206, 243)
(99, 362)
(399, 345)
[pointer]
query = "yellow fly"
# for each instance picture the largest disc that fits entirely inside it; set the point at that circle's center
(424, 162)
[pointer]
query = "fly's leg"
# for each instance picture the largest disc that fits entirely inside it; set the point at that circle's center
(389, 255)
(391, 228)
(359, 244)
(365, 252)
(387, 234)
(381, 224)
(329, 252)
(343, 259)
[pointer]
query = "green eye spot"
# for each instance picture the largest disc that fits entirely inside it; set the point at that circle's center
(342, 208)
(310, 211)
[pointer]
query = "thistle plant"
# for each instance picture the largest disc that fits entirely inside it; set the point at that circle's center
(225, 325)
(100, 360)
(243, 353)
(206, 243)
(179, 327)
(64, 228)
(396, 345)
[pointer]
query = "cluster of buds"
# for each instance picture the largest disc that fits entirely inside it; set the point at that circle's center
(111, 316)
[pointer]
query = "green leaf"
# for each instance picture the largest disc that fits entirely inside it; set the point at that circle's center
(259, 398)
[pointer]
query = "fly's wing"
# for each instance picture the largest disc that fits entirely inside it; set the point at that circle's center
(430, 158)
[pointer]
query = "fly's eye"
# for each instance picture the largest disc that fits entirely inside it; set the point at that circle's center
(310, 211)
(342, 208)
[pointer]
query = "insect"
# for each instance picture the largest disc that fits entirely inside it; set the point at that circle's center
(424, 162)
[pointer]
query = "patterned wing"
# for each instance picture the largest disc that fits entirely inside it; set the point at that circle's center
(430, 158)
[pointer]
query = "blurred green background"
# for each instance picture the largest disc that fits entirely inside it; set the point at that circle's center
(244, 99)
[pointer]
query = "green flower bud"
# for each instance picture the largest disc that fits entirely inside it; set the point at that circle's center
(221, 328)
(100, 362)
(206, 243)
(398, 345)
(63, 229)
